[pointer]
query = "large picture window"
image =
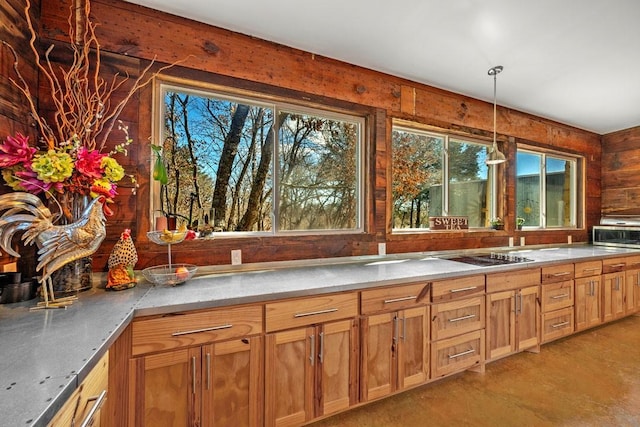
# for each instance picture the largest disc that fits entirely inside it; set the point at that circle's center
(546, 189)
(439, 175)
(244, 165)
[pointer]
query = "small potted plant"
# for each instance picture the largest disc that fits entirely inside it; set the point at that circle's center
(519, 222)
(497, 223)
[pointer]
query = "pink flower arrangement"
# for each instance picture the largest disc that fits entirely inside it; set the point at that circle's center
(67, 167)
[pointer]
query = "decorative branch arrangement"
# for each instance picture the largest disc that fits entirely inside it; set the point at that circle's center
(70, 160)
(81, 96)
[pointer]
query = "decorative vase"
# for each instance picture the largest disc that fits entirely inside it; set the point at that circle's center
(75, 276)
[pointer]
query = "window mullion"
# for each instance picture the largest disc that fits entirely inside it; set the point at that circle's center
(543, 190)
(445, 176)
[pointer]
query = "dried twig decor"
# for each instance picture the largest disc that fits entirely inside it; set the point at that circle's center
(81, 96)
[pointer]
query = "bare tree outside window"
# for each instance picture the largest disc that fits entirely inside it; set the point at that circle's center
(225, 156)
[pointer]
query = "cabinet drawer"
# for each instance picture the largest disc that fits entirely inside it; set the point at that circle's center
(85, 402)
(557, 324)
(457, 317)
(194, 328)
(513, 279)
(613, 265)
(457, 353)
(633, 262)
(557, 295)
(394, 298)
(308, 311)
(557, 273)
(462, 287)
(588, 268)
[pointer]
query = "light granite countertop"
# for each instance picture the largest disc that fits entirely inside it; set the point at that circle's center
(45, 355)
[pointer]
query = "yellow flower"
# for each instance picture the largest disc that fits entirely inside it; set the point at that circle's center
(112, 169)
(52, 166)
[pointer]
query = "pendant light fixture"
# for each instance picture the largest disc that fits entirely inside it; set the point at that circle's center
(495, 156)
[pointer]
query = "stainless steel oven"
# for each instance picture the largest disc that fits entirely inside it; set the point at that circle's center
(618, 231)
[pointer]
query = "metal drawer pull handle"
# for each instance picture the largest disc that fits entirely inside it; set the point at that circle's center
(193, 375)
(96, 406)
(584, 270)
(312, 352)
(564, 273)
(410, 297)
(560, 296)
(195, 331)
(457, 319)
(617, 265)
(464, 353)
(559, 325)
(208, 371)
(313, 313)
(470, 288)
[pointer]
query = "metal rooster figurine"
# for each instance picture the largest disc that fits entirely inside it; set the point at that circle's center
(57, 244)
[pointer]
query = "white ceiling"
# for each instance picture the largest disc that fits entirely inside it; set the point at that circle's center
(573, 61)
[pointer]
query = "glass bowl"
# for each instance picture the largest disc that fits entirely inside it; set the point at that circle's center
(169, 275)
(166, 237)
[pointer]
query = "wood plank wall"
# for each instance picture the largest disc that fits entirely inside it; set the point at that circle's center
(132, 35)
(14, 112)
(621, 172)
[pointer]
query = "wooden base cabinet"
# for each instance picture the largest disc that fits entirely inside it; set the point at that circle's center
(200, 368)
(310, 372)
(83, 407)
(613, 296)
(632, 285)
(395, 352)
(558, 300)
(513, 312)
(513, 319)
(218, 384)
(588, 294)
(311, 358)
(588, 302)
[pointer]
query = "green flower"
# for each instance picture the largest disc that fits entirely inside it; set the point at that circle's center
(52, 166)
(112, 169)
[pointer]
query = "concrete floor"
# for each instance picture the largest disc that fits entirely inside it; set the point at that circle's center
(589, 379)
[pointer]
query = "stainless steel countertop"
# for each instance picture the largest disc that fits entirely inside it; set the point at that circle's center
(45, 355)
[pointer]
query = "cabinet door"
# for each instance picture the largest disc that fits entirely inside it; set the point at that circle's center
(501, 331)
(528, 317)
(167, 386)
(337, 361)
(613, 297)
(232, 383)
(289, 371)
(413, 347)
(587, 302)
(632, 291)
(84, 404)
(377, 373)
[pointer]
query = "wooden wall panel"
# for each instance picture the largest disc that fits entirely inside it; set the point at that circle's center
(14, 111)
(131, 35)
(621, 172)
